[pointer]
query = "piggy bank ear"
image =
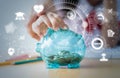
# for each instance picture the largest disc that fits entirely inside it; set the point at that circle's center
(49, 33)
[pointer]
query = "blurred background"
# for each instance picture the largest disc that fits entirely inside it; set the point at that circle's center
(16, 29)
(13, 33)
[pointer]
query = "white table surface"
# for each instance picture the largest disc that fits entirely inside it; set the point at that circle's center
(90, 68)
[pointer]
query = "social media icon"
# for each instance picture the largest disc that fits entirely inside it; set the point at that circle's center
(100, 18)
(38, 8)
(103, 57)
(19, 16)
(97, 43)
(71, 15)
(110, 33)
(11, 51)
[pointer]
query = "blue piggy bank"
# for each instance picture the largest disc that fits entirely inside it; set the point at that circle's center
(62, 48)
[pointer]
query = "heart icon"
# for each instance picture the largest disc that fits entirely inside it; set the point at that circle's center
(38, 8)
(11, 51)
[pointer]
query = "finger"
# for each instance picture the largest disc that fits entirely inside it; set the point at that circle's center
(32, 19)
(41, 13)
(60, 21)
(46, 20)
(39, 27)
(29, 27)
(43, 29)
(53, 20)
(36, 23)
(40, 30)
(35, 28)
(33, 34)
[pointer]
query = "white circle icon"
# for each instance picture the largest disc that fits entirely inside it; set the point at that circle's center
(71, 15)
(100, 17)
(97, 43)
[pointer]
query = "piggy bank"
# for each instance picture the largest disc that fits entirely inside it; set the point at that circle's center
(62, 48)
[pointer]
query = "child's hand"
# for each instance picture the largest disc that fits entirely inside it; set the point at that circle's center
(38, 25)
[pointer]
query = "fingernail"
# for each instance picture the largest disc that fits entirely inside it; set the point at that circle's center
(65, 27)
(40, 35)
(50, 26)
(55, 29)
